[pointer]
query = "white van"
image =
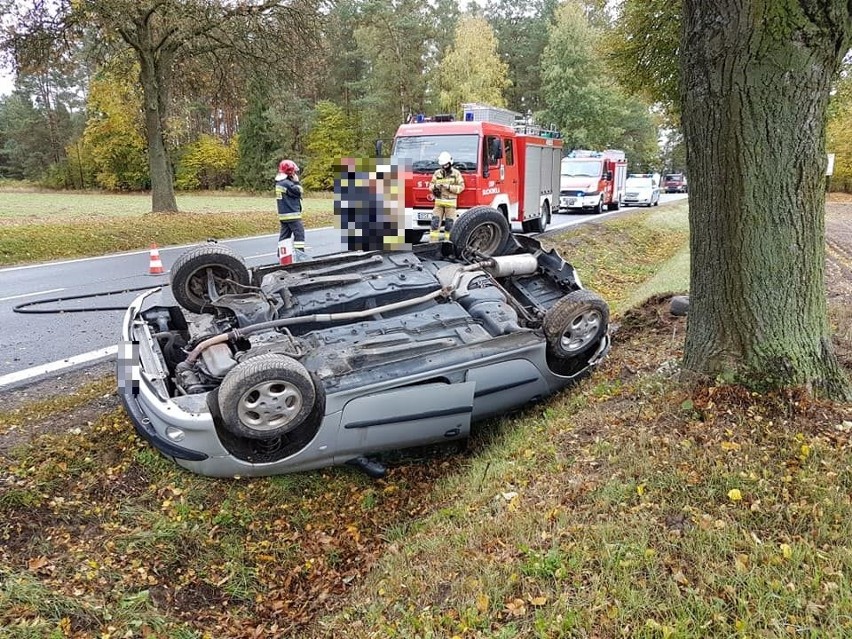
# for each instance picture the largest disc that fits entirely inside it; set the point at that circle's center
(641, 190)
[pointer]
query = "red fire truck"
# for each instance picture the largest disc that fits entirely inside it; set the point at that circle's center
(511, 167)
(592, 180)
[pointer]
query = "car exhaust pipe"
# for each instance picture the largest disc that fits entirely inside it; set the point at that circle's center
(511, 265)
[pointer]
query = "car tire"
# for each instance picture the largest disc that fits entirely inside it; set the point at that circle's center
(679, 305)
(613, 206)
(575, 324)
(599, 208)
(481, 230)
(188, 276)
(539, 225)
(266, 396)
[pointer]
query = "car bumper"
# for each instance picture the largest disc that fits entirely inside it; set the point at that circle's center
(185, 433)
(576, 202)
(422, 218)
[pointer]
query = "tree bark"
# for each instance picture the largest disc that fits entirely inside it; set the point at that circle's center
(756, 76)
(155, 97)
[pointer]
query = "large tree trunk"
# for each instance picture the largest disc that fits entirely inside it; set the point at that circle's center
(155, 97)
(756, 78)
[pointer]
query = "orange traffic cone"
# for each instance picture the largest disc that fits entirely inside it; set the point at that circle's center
(156, 267)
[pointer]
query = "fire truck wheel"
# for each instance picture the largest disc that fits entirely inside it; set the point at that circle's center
(482, 230)
(190, 273)
(539, 224)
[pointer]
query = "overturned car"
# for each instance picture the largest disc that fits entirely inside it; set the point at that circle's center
(336, 359)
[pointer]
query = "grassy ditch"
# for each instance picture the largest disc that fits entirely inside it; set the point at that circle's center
(627, 506)
(37, 226)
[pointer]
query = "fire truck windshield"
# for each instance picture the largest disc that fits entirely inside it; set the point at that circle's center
(581, 168)
(422, 151)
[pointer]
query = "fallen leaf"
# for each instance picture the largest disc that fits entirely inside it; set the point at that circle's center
(735, 495)
(36, 563)
(482, 602)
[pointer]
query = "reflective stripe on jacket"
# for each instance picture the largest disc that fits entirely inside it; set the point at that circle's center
(289, 196)
(451, 185)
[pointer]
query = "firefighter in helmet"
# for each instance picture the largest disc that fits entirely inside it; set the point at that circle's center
(288, 193)
(446, 184)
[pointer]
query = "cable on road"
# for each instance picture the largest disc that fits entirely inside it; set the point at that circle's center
(26, 307)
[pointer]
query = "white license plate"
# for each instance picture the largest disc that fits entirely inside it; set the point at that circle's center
(424, 215)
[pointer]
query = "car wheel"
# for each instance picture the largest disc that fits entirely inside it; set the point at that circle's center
(481, 230)
(575, 324)
(266, 396)
(599, 208)
(613, 206)
(189, 275)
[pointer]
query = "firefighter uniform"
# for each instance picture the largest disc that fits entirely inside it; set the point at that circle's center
(288, 193)
(446, 184)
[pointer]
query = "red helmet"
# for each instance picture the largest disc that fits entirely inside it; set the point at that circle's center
(288, 167)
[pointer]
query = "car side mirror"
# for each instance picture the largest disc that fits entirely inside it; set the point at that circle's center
(607, 176)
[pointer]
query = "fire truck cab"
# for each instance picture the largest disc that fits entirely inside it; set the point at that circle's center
(592, 180)
(512, 167)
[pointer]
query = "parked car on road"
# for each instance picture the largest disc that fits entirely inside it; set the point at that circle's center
(641, 190)
(328, 361)
(675, 183)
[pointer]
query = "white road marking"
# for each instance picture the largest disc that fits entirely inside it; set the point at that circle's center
(15, 297)
(59, 365)
(141, 252)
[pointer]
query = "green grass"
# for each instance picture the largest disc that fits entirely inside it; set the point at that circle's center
(28, 205)
(606, 511)
(39, 226)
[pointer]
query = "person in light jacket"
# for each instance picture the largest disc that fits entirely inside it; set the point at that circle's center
(446, 184)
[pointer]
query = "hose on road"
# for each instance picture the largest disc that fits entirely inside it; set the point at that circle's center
(26, 307)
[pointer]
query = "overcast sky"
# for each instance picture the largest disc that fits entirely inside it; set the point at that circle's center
(6, 83)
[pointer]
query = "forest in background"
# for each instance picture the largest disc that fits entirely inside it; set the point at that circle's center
(315, 81)
(347, 74)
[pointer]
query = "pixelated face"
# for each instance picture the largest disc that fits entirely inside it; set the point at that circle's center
(127, 366)
(369, 205)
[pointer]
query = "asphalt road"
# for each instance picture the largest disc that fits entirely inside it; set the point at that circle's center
(36, 345)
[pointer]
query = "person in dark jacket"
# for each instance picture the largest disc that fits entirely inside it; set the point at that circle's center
(288, 193)
(367, 205)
